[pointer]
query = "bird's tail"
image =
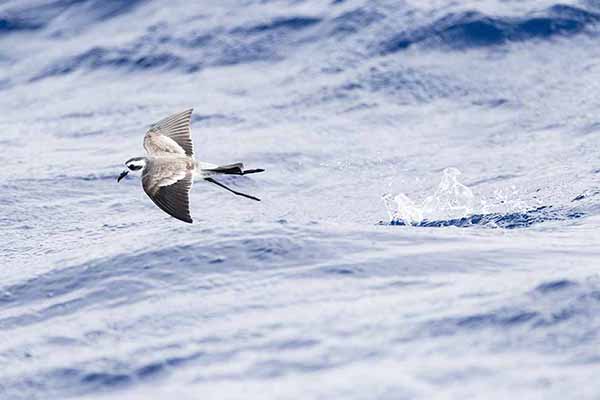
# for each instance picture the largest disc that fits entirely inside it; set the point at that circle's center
(233, 169)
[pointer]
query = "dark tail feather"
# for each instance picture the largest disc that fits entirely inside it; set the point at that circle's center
(252, 171)
(234, 169)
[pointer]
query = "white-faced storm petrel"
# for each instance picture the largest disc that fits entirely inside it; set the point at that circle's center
(169, 167)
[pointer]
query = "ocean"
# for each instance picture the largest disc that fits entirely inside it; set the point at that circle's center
(430, 217)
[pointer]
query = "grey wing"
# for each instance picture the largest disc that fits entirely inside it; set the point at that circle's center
(170, 190)
(171, 135)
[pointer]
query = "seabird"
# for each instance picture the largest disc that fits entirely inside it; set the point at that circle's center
(169, 167)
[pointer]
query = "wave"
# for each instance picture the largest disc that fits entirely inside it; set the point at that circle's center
(15, 24)
(506, 221)
(351, 22)
(278, 24)
(473, 29)
(128, 277)
(563, 300)
(106, 375)
(160, 49)
(99, 57)
(27, 18)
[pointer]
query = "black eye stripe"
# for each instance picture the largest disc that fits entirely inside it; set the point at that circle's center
(135, 167)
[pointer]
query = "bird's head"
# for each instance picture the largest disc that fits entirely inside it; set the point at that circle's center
(133, 164)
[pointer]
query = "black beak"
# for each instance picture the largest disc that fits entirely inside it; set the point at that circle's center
(123, 175)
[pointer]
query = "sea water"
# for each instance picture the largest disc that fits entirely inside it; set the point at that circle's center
(430, 217)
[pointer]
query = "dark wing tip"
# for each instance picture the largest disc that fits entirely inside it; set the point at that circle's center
(175, 211)
(174, 199)
(184, 218)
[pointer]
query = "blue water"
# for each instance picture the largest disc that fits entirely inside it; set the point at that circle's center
(324, 290)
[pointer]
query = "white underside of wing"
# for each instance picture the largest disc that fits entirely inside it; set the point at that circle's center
(156, 144)
(171, 135)
(172, 178)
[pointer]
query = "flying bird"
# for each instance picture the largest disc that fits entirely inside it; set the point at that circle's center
(169, 167)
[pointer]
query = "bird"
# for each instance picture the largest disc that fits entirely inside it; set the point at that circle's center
(168, 169)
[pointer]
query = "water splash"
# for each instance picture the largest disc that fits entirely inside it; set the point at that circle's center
(454, 204)
(451, 200)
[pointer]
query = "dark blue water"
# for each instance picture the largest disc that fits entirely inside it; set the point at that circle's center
(430, 215)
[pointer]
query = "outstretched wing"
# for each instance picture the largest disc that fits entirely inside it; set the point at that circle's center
(171, 135)
(168, 186)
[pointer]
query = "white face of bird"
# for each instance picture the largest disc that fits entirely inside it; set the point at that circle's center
(133, 164)
(136, 163)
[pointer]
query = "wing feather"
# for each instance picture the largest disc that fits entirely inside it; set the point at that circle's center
(171, 135)
(169, 189)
